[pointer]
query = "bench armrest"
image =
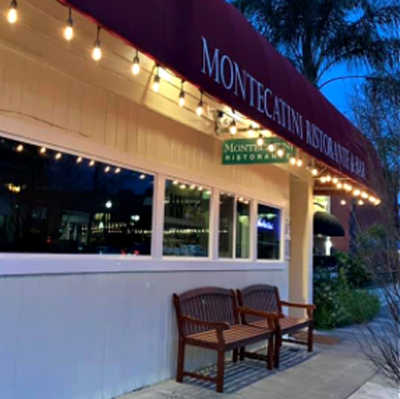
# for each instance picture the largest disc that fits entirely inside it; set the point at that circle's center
(309, 308)
(272, 318)
(218, 326)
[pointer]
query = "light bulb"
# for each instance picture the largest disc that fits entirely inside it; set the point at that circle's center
(314, 172)
(271, 147)
(364, 195)
(156, 83)
(233, 128)
(260, 140)
(182, 99)
(97, 54)
(200, 109)
(135, 65)
(92, 163)
(107, 169)
(142, 176)
(323, 179)
(43, 150)
(292, 161)
(20, 148)
(117, 170)
(339, 186)
(58, 156)
(79, 160)
(360, 202)
(280, 153)
(69, 28)
(299, 163)
(335, 180)
(328, 178)
(356, 192)
(12, 14)
(343, 202)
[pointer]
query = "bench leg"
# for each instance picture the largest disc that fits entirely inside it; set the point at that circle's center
(235, 355)
(220, 371)
(278, 344)
(242, 350)
(310, 340)
(181, 361)
(270, 353)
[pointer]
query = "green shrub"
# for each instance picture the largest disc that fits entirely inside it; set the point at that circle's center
(339, 304)
(354, 269)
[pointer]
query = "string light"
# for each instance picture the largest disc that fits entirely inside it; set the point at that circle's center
(135, 69)
(182, 186)
(97, 53)
(92, 163)
(356, 192)
(200, 106)
(58, 156)
(182, 95)
(192, 187)
(364, 195)
(260, 140)
(271, 147)
(79, 160)
(292, 161)
(343, 202)
(328, 178)
(117, 170)
(69, 28)
(251, 132)
(20, 148)
(142, 176)
(339, 186)
(233, 128)
(175, 182)
(156, 82)
(322, 179)
(12, 14)
(107, 169)
(299, 163)
(314, 171)
(335, 180)
(360, 202)
(43, 150)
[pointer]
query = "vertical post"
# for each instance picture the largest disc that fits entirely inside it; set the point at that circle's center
(158, 217)
(214, 225)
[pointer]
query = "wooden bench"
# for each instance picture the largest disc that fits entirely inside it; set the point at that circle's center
(210, 318)
(265, 298)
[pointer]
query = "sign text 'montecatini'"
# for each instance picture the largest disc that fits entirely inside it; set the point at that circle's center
(232, 77)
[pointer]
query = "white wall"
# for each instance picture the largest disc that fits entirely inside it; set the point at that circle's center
(96, 336)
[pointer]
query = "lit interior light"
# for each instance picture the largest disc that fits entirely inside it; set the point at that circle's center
(182, 96)
(43, 150)
(271, 147)
(314, 171)
(200, 106)
(356, 192)
(328, 178)
(292, 161)
(260, 140)
(299, 163)
(339, 186)
(109, 204)
(97, 53)
(360, 202)
(343, 202)
(20, 148)
(323, 179)
(58, 156)
(371, 199)
(142, 176)
(280, 153)
(12, 13)
(117, 170)
(156, 82)
(233, 128)
(364, 195)
(135, 69)
(335, 180)
(92, 163)
(79, 160)
(69, 27)
(378, 202)
(107, 169)
(348, 187)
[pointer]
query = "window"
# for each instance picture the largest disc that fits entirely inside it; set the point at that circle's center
(268, 232)
(60, 203)
(186, 220)
(234, 227)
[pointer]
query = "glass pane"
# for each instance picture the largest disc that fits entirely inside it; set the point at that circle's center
(226, 207)
(186, 222)
(62, 204)
(268, 232)
(242, 230)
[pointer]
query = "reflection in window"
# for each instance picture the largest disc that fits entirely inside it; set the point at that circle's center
(65, 204)
(226, 215)
(242, 230)
(268, 232)
(186, 221)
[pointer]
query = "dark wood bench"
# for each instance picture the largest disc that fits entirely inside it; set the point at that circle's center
(265, 298)
(209, 318)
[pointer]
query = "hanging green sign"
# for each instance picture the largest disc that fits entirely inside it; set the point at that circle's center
(246, 151)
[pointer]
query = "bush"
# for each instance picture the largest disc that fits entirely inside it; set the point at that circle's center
(354, 269)
(339, 304)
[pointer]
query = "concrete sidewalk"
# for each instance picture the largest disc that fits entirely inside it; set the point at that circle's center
(332, 372)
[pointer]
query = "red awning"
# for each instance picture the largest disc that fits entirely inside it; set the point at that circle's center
(210, 44)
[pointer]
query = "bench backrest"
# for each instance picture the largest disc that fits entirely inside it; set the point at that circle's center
(212, 304)
(260, 297)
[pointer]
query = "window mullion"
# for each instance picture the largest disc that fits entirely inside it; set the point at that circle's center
(158, 217)
(234, 238)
